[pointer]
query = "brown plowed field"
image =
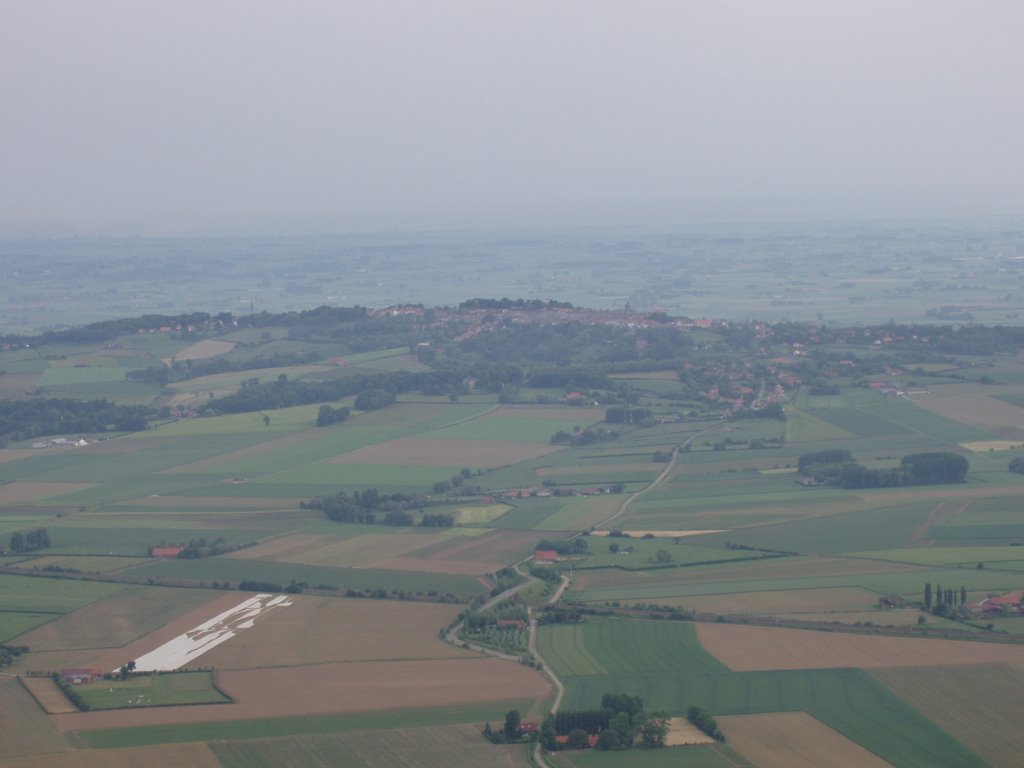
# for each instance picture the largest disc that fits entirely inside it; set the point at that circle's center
(794, 740)
(978, 706)
(160, 756)
(13, 454)
(116, 621)
(417, 451)
(978, 410)
(315, 630)
(468, 554)
(328, 688)
(16, 492)
(24, 728)
(113, 658)
(747, 649)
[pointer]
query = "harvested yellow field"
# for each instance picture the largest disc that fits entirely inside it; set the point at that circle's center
(794, 740)
(481, 514)
(747, 649)
(50, 697)
(681, 732)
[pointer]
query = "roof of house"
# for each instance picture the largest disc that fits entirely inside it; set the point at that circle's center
(165, 551)
(545, 554)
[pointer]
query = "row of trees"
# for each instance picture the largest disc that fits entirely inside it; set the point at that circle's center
(182, 370)
(944, 600)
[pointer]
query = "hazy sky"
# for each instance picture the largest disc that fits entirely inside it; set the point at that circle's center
(239, 116)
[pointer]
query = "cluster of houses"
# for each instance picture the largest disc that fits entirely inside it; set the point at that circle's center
(1003, 605)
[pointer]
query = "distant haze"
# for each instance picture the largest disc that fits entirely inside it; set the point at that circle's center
(238, 116)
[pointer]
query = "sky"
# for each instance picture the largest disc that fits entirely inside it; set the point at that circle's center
(195, 117)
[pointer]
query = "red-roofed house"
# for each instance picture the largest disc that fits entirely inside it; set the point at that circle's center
(165, 551)
(545, 556)
(78, 675)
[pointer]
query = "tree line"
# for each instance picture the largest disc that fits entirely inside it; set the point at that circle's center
(26, 419)
(836, 467)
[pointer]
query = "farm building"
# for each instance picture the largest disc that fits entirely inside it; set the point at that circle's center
(165, 551)
(78, 675)
(545, 556)
(525, 729)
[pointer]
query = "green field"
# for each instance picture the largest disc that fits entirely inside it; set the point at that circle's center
(159, 690)
(50, 595)
(664, 663)
(622, 647)
(294, 726)
(692, 756)
(436, 746)
(14, 623)
(848, 700)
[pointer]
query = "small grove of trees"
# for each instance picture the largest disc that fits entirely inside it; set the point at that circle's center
(618, 414)
(373, 399)
(364, 506)
(565, 546)
(29, 540)
(584, 436)
(8, 653)
(914, 469)
(328, 415)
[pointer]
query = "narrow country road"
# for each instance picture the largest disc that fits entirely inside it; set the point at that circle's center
(658, 480)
